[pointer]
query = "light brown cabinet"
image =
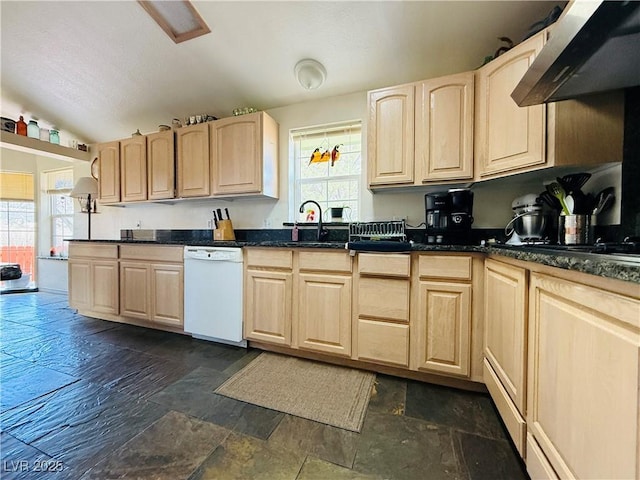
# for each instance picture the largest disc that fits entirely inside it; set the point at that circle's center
(505, 337)
(93, 278)
(161, 165)
(151, 284)
(244, 156)
(108, 155)
(442, 314)
(583, 379)
(391, 130)
(133, 169)
(381, 318)
(268, 295)
(324, 302)
(422, 133)
(193, 166)
(444, 128)
(511, 139)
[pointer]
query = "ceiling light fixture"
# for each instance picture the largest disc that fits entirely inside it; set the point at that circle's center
(310, 74)
(179, 19)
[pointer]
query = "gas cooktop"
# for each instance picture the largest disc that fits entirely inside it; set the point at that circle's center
(627, 250)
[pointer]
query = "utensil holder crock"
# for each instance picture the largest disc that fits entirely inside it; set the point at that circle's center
(576, 229)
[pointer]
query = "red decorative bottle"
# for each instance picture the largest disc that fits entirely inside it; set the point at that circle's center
(21, 127)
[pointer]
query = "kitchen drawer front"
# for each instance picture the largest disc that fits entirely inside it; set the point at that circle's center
(325, 261)
(93, 251)
(383, 342)
(538, 467)
(384, 298)
(445, 266)
(268, 257)
(516, 425)
(152, 253)
(387, 264)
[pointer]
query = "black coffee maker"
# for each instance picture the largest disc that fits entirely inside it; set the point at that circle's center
(449, 216)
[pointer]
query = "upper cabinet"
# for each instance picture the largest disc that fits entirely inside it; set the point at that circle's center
(161, 165)
(109, 171)
(193, 169)
(512, 139)
(444, 128)
(422, 133)
(391, 136)
(244, 156)
(133, 169)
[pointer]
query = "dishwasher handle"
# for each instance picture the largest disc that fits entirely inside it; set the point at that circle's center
(218, 254)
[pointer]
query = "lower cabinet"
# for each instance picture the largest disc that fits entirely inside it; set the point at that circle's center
(381, 322)
(583, 379)
(505, 337)
(324, 302)
(441, 328)
(268, 295)
(93, 278)
(151, 284)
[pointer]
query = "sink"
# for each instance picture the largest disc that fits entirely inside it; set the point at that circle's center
(379, 246)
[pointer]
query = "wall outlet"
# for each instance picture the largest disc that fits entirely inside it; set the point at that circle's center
(139, 224)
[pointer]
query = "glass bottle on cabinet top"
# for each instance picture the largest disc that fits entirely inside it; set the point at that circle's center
(33, 130)
(54, 136)
(21, 127)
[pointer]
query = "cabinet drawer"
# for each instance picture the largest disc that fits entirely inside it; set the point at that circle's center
(326, 261)
(267, 257)
(383, 342)
(538, 467)
(152, 253)
(445, 266)
(386, 298)
(387, 264)
(516, 426)
(92, 250)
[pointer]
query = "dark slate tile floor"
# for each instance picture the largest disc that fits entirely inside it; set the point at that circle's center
(83, 398)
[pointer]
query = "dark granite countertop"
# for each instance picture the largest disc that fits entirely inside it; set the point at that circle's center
(610, 266)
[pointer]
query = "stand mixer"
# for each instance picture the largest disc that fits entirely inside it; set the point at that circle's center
(529, 220)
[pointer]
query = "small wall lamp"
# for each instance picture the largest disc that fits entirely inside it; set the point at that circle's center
(85, 188)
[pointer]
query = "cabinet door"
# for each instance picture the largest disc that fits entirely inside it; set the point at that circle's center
(193, 161)
(104, 287)
(505, 316)
(133, 169)
(167, 294)
(135, 286)
(161, 165)
(236, 154)
(583, 378)
(508, 137)
(325, 313)
(268, 303)
(443, 327)
(391, 147)
(444, 128)
(79, 284)
(109, 171)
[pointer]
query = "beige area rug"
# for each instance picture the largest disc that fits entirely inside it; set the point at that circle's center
(329, 394)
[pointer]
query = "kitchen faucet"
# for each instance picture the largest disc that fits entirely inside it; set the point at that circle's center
(323, 234)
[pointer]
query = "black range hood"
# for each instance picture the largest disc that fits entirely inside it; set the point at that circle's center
(594, 47)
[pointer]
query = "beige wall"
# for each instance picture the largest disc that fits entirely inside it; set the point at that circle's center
(492, 205)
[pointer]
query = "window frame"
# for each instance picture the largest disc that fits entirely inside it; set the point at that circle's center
(295, 170)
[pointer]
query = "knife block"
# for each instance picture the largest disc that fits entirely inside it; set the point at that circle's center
(224, 231)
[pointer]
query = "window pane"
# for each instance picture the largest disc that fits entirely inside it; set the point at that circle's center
(329, 185)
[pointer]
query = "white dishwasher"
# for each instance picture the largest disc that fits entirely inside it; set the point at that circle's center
(213, 294)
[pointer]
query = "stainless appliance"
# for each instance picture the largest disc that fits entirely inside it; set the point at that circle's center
(529, 220)
(213, 294)
(593, 48)
(449, 216)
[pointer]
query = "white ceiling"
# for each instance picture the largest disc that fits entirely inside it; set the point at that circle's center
(103, 69)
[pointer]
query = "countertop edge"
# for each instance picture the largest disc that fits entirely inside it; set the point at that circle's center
(594, 264)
